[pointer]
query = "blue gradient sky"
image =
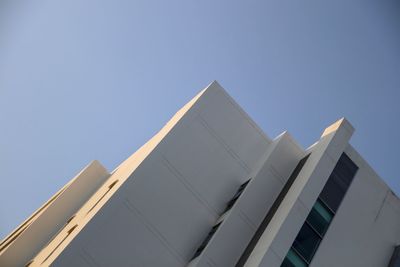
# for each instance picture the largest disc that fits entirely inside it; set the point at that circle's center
(83, 80)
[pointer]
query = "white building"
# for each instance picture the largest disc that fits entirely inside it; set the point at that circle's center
(211, 189)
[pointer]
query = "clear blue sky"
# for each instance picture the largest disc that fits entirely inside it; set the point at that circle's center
(83, 80)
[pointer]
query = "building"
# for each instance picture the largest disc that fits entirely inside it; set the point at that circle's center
(211, 189)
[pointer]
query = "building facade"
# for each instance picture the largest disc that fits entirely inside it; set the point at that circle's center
(212, 189)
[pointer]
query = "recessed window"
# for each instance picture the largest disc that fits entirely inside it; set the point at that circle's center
(29, 263)
(318, 220)
(70, 219)
(320, 217)
(236, 196)
(271, 213)
(293, 260)
(108, 190)
(338, 182)
(306, 242)
(395, 260)
(206, 240)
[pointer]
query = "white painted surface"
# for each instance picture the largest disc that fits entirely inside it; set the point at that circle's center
(169, 194)
(53, 217)
(174, 197)
(291, 214)
(244, 218)
(366, 227)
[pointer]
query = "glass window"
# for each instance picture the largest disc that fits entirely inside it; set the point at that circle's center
(338, 182)
(271, 213)
(320, 217)
(236, 196)
(306, 242)
(347, 169)
(395, 260)
(333, 192)
(205, 241)
(293, 260)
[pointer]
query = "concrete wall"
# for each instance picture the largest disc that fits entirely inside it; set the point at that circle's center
(366, 228)
(292, 212)
(157, 207)
(48, 220)
(163, 211)
(241, 222)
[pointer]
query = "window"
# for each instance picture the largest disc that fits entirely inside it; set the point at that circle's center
(65, 237)
(338, 182)
(205, 241)
(108, 190)
(333, 192)
(270, 214)
(214, 229)
(28, 263)
(306, 242)
(320, 217)
(395, 260)
(318, 220)
(293, 260)
(236, 196)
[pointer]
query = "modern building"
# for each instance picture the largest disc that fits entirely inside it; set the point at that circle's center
(211, 189)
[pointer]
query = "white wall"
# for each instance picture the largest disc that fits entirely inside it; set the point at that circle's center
(292, 212)
(241, 222)
(164, 210)
(366, 227)
(181, 182)
(49, 219)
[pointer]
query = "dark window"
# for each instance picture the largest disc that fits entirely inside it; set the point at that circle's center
(268, 217)
(333, 192)
(395, 260)
(308, 239)
(320, 217)
(236, 196)
(306, 242)
(293, 260)
(206, 240)
(338, 182)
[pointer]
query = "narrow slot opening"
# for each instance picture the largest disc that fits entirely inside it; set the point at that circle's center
(29, 263)
(65, 237)
(108, 190)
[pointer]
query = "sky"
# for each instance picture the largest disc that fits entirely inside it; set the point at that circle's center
(84, 80)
